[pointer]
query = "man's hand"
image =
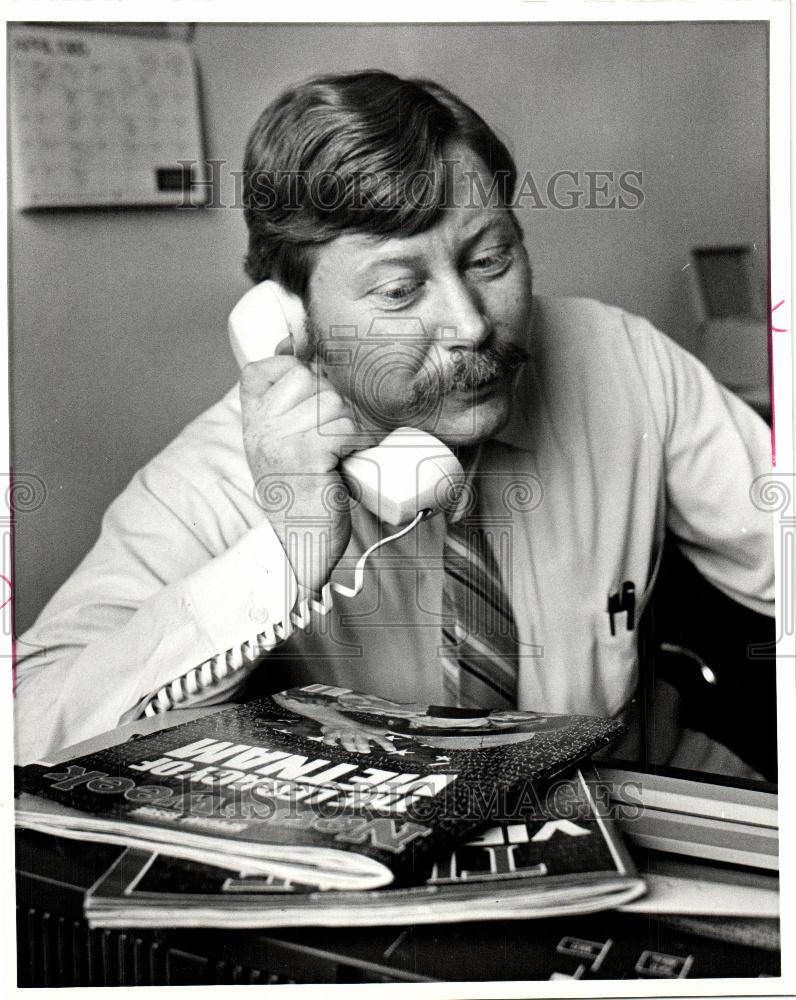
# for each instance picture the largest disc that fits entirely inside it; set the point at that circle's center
(296, 430)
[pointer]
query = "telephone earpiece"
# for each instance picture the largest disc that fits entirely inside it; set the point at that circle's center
(265, 316)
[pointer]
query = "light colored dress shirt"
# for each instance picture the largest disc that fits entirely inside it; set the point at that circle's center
(616, 435)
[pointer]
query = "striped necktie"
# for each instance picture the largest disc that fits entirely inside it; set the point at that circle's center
(480, 649)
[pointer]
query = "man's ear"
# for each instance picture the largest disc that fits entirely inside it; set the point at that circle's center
(297, 341)
(301, 340)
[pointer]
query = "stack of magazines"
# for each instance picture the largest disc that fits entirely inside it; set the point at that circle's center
(324, 806)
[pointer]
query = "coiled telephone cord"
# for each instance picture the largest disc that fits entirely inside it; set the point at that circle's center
(220, 666)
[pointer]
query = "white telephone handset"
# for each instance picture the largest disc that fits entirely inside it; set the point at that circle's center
(408, 472)
(409, 476)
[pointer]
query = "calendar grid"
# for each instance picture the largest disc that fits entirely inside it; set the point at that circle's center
(102, 120)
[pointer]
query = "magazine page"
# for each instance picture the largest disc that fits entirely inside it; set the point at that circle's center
(564, 856)
(272, 782)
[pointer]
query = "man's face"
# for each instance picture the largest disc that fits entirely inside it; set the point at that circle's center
(428, 330)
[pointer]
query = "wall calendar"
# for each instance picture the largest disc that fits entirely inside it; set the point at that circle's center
(102, 120)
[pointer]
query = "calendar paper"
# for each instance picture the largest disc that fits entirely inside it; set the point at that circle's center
(101, 119)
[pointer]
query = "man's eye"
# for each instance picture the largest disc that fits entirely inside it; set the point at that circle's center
(398, 292)
(490, 264)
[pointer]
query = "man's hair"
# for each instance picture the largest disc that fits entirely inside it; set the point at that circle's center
(358, 152)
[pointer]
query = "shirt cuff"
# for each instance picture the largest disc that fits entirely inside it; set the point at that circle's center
(244, 592)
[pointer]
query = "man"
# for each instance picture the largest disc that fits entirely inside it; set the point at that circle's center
(384, 204)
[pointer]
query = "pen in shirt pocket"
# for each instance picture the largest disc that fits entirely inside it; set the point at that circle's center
(623, 600)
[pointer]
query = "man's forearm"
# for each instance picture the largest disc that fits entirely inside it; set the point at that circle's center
(90, 664)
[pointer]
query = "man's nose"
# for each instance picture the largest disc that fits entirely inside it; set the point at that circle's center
(461, 319)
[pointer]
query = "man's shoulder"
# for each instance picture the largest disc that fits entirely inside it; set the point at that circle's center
(586, 322)
(580, 340)
(207, 449)
(595, 368)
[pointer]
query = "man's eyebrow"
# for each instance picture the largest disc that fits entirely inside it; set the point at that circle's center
(412, 260)
(404, 260)
(499, 222)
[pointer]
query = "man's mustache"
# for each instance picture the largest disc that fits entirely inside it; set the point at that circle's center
(466, 371)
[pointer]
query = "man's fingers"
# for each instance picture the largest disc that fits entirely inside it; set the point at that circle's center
(257, 377)
(346, 436)
(284, 347)
(297, 410)
(328, 416)
(278, 388)
(287, 388)
(294, 384)
(308, 415)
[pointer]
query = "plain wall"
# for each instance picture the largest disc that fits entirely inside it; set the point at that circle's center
(118, 318)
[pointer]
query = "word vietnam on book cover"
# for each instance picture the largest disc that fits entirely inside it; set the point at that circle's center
(318, 785)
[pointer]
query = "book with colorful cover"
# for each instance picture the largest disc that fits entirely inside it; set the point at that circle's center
(319, 785)
(563, 857)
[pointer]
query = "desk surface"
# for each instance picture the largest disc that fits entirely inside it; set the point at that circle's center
(56, 947)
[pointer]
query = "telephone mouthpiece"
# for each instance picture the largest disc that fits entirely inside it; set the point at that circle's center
(408, 473)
